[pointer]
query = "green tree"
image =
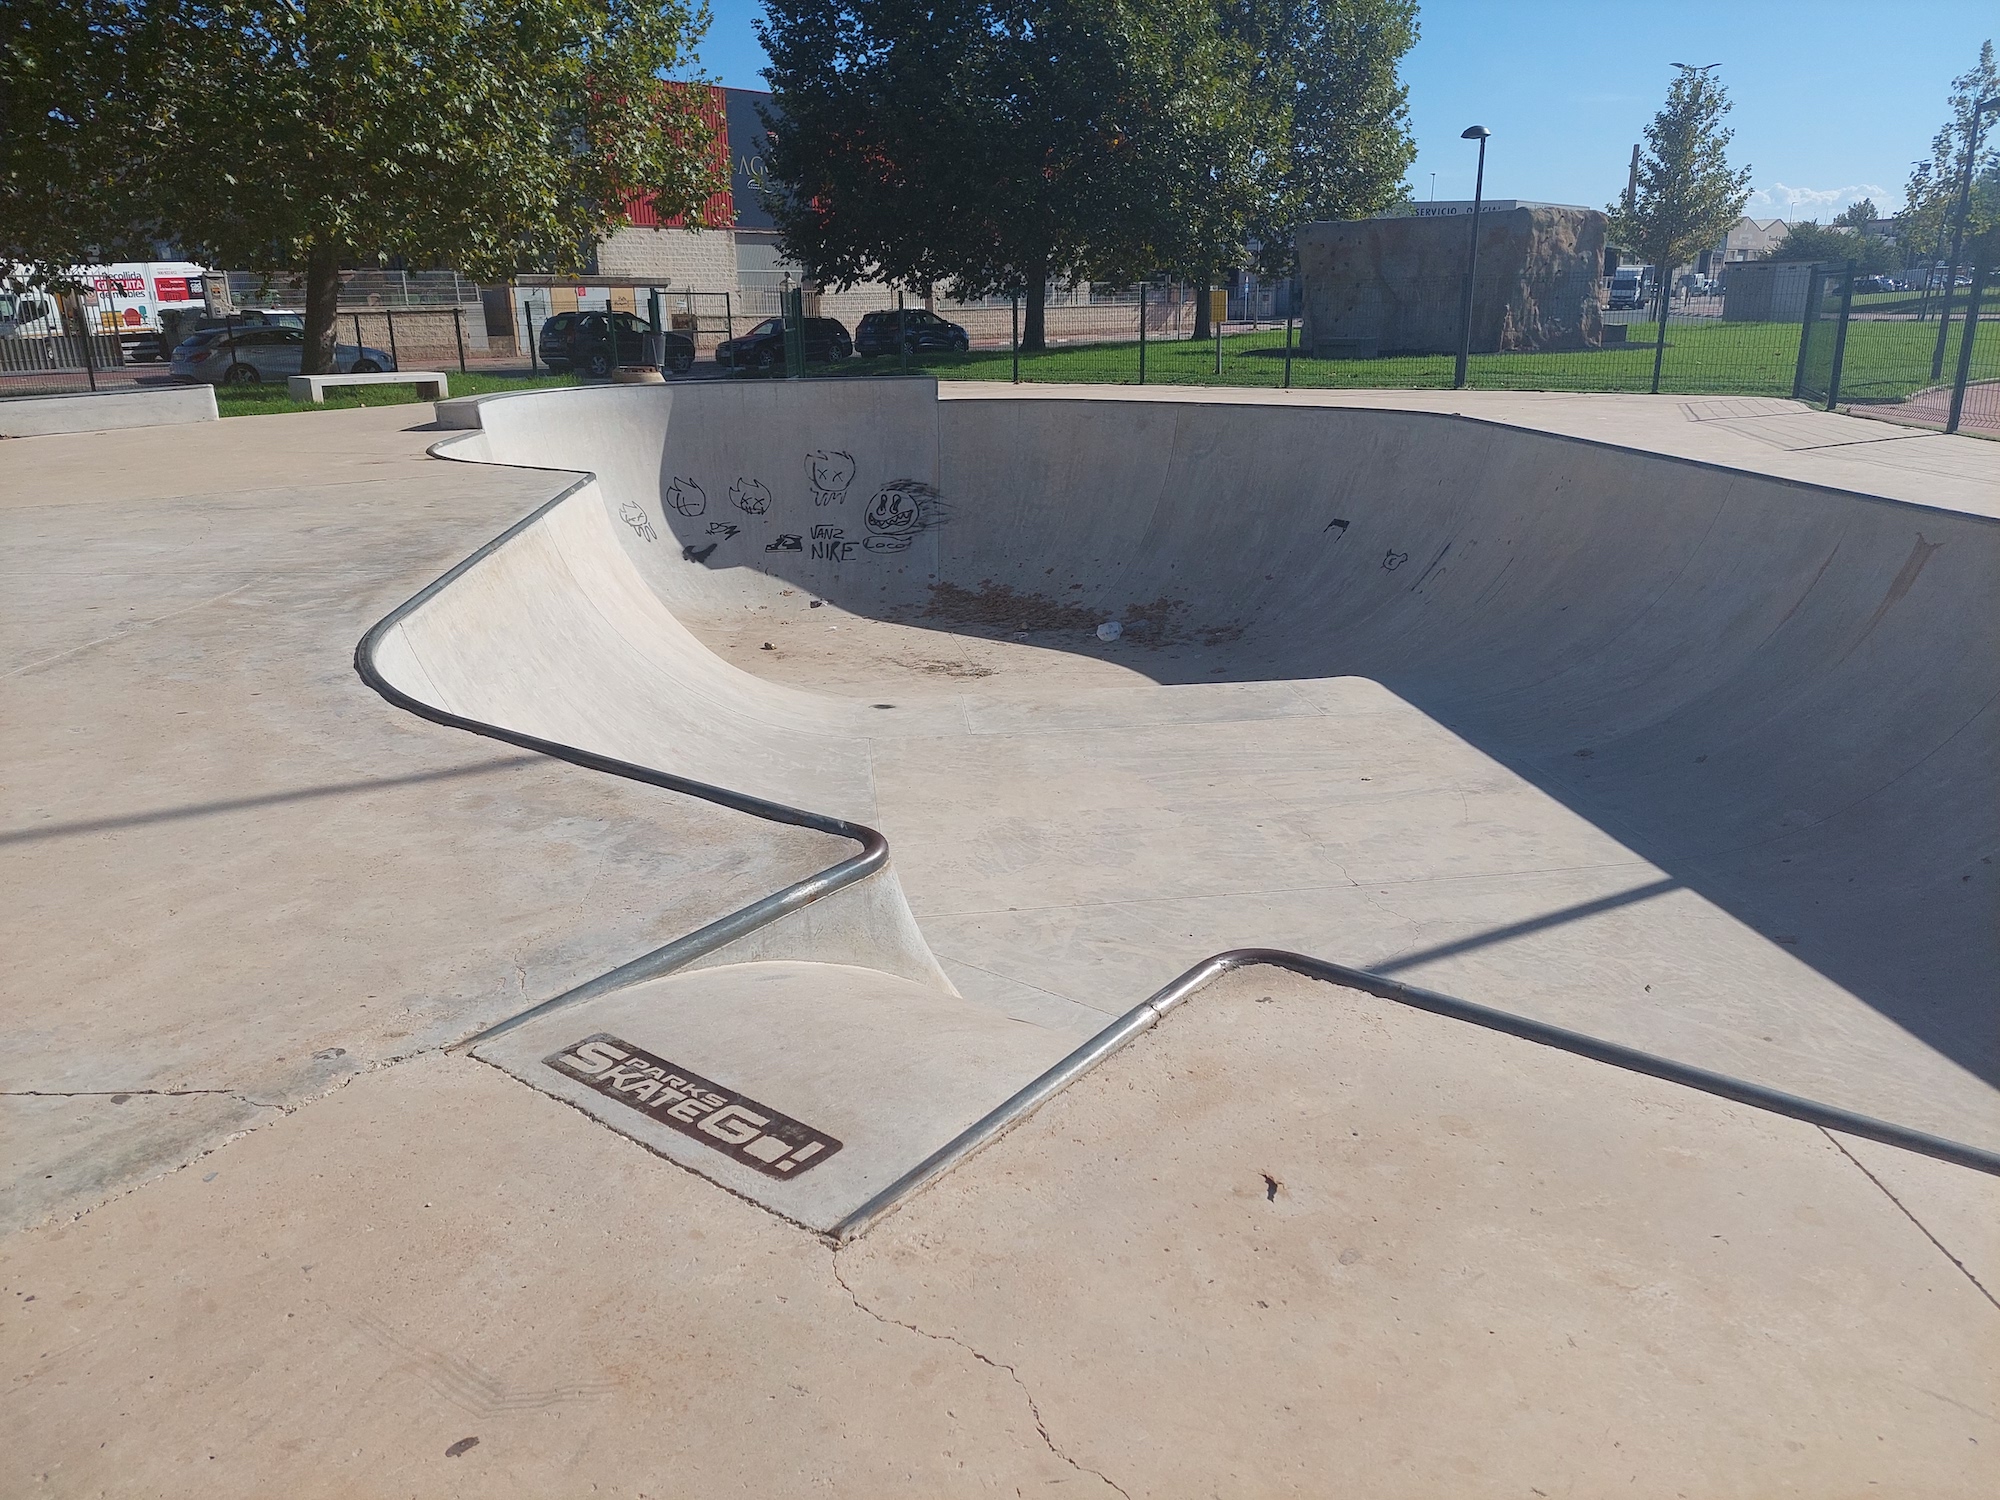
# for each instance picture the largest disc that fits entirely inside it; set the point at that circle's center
(80, 100)
(1350, 141)
(1858, 215)
(1835, 246)
(1930, 198)
(306, 134)
(1688, 193)
(992, 145)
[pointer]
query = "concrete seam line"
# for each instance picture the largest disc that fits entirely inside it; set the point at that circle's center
(1025, 1101)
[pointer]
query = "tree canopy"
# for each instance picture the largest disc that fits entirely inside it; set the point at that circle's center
(1930, 198)
(483, 134)
(1835, 245)
(1688, 193)
(997, 145)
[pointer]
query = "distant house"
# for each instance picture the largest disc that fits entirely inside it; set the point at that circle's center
(1747, 239)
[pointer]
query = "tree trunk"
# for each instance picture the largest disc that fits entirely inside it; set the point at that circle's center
(1034, 321)
(1201, 328)
(322, 299)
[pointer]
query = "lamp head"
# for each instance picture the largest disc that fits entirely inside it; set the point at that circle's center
(1474, 133)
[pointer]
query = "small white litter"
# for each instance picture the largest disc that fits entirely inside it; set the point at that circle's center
(1110, 630)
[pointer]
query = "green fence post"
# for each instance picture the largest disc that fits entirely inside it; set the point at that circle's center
(1014, 323)
(1806, 322)
(1663, 295)
(1288, 342)
(1840, 338)
(795, 333)
(902, 335)
(1210, 294)
(1142, 334)
(1978, 290)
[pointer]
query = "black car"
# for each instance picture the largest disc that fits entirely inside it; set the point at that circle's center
(594, 342)
(763, 347)
(921, 329)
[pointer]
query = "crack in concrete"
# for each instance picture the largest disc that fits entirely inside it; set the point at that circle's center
(74, 1215)
(1034, 1407)
(1964, 1270)
(121, 1095)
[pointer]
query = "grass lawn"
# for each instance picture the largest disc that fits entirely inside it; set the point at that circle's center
(1884, 362)
(263, 400)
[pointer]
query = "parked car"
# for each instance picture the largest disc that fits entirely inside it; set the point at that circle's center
(1866, 284)
(250, 356)
(921, 328)
(595, 342)
(763, 347)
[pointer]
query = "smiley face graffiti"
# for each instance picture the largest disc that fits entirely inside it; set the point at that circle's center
(900, 512)
(750, 497)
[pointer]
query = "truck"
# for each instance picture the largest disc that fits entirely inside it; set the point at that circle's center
(1630, 287)
(142, 303)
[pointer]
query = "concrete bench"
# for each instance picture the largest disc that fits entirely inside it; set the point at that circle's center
(430, 384)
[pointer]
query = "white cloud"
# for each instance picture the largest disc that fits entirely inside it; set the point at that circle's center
(1784, 202)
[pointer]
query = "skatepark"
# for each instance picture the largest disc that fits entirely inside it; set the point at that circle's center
(618, 923)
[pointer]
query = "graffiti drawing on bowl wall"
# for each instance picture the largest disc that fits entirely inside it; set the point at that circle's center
(832, 544)
(750, 497)
(687, 497)
(900, 512)
(634, 515)
(829, 472)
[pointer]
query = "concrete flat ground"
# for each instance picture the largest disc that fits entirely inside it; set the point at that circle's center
(267, 1234)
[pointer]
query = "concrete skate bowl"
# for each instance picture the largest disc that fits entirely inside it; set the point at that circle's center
(1693, 759)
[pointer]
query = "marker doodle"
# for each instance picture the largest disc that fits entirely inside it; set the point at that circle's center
(831, 544)
(829, 472)
(900, 512)
(633, 515)
(723, 529)
(1395, 560)
(1330, 526)
(699, 554)
(750, 497)
(791, 541)
(687, 497)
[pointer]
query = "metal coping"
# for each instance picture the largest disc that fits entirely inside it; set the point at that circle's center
(1023, 1103)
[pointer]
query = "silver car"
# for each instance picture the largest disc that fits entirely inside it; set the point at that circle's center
(252, 355)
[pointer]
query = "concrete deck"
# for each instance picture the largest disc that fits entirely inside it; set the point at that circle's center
(267, 1234)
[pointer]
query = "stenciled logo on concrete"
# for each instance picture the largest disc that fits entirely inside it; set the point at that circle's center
(704, 1111)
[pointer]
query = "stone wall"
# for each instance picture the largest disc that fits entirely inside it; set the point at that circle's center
(683, 259)
(1393, 286)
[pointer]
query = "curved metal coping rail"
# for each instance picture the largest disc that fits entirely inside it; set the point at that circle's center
(875, 853)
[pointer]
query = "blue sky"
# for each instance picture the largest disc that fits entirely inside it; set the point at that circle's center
(1834, 99)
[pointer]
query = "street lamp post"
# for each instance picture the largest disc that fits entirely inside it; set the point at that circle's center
(1973, 131)
(1477, 133)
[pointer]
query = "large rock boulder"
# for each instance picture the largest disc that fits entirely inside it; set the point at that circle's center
(1392, 286)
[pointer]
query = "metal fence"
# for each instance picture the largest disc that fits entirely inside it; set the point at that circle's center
(285, 291)
(1825, 336)
(56, 365)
